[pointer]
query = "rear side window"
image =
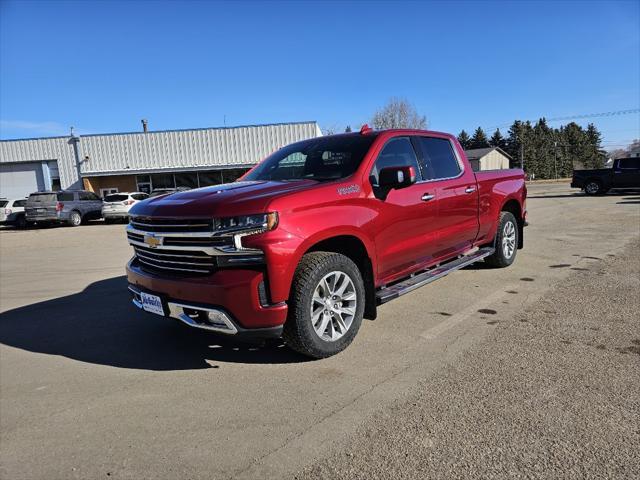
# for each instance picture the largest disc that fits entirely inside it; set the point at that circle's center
(632, 163)
(398, 152)
(3, 203)
(65, 197)
(42, 198)
(116, 198)
(439, 159)
(139, 196)
(19, 203)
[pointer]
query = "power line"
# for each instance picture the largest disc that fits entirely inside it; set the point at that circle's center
(629, 111)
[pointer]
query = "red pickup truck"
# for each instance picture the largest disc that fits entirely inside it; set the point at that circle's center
(316, 236)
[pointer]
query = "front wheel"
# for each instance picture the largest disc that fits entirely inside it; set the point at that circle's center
(326, 305)
(506, 243)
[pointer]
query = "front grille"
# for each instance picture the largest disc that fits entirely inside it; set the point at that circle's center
(183, 246)
(175, 260)
(151, 224)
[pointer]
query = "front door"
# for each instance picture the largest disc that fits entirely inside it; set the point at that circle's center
(626, 173)
(455, 190)
(404, 229)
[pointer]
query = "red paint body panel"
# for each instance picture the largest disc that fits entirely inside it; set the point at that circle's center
(401, 234)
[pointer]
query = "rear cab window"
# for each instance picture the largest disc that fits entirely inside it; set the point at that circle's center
(439, 161)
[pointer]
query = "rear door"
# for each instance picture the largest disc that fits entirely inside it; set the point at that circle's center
(626, 173)
(91, 204)
(405, 227)
(454, 189)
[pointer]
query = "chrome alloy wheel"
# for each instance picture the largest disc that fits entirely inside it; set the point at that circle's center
(333, 307)
(508, 239)
(592, 188)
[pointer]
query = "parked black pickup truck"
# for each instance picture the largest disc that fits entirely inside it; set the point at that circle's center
(625, 173)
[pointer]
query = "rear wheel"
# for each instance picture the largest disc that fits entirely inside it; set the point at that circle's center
(75, 219)
(326, 305)
(593, 187)
(506, 243)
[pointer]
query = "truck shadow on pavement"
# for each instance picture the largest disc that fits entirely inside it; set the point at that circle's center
(100, 325)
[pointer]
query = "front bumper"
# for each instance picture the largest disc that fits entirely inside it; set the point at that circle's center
(234, 292)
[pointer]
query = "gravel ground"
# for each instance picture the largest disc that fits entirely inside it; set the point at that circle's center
(553, 393)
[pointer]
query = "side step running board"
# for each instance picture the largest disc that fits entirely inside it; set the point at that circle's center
(386, 294)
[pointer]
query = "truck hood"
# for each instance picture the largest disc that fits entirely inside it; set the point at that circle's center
(238, 198)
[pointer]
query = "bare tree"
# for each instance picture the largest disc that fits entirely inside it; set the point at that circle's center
(398, 113)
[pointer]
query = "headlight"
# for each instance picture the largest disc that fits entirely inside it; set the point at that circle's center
(244, 225)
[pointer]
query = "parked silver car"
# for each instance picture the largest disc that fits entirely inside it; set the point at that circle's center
(71, 207)
(12, 212)
(116, 205)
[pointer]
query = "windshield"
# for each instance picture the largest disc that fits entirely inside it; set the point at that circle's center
(322, 158)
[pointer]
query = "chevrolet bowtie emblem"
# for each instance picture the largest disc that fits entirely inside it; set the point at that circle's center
(152, 240)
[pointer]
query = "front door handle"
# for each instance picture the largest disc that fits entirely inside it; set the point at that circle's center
(469, 189)
(427, 196)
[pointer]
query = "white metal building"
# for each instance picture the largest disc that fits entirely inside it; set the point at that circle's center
(141, 161)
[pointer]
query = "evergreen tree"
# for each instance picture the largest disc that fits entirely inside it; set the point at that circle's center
(497, 140)
(348, 129)
(479, 139)
(464, 139)
(595, 154)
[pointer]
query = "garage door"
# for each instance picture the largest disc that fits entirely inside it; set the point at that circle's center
(17, 180)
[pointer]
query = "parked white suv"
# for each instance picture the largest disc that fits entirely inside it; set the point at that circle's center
(12, 212)
(116, 205)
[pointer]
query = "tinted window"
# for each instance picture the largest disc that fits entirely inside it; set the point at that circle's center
(398, 152)
(630, 163)
(3, 203)
(41, 198)
(88, 196)
(139, 196)
(439, 158)
(323, 158)
(19, 203)
(65, 197)
(116, 198)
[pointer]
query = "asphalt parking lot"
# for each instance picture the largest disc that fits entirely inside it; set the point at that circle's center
(92, 388)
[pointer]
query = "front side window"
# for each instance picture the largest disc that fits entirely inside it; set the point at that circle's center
(398, 152)
(630, 163)
(320, 159)
(439, 158)
(139, 196)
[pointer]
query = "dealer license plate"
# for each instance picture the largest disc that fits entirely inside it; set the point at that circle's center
(152, 303)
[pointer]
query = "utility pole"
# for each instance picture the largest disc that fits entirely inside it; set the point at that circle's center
(555, 157)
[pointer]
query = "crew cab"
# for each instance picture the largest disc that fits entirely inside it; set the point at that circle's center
(316, 236)
(624, 173)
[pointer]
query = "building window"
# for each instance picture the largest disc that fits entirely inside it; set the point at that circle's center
(163, 180)
(209, 178)
(189, 179)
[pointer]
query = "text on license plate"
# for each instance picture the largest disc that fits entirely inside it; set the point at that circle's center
(152, 303)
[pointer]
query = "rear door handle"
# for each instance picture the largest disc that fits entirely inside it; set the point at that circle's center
(427, 196)
(469, 189)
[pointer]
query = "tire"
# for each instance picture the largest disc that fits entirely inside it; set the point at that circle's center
(506, 241)
(334, 278)
(593, 187)
(75, 219)
(21, 222)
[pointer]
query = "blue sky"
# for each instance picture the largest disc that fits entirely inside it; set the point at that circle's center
(102, 66)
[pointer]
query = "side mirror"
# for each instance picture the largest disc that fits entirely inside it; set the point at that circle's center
(396, 177)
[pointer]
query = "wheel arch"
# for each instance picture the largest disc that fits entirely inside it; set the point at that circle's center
(513, 206)
(355, 249)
